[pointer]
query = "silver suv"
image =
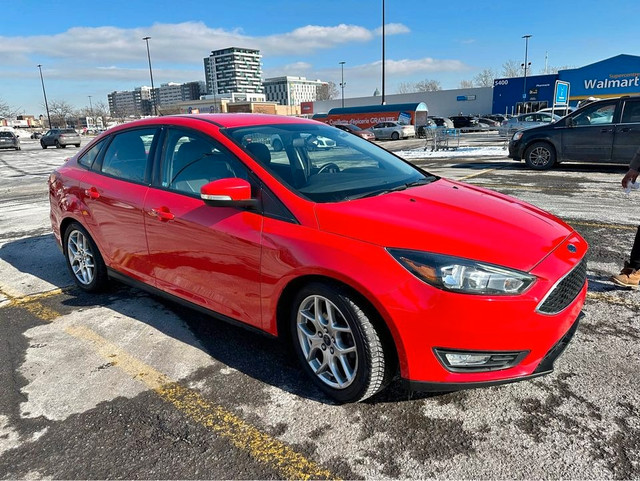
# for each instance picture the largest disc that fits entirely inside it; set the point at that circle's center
(60, 138)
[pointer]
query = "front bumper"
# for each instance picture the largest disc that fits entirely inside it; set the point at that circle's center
(515, 150)
(545, 367)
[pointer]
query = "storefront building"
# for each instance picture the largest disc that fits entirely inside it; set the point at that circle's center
(612, 77)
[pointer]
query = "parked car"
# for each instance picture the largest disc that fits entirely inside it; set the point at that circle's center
(355, 130)
(601, 131)
(488, 123)
(393, 131)
(559, 111)
(464, 121)
(35, 135)
(445, 122)
(9, 140)
(60, 138)
(525, 121)
(367, 265)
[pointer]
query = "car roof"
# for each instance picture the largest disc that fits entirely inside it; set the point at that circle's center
(221, 120)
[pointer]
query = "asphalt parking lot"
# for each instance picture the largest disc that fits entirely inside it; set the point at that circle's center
(126, 385)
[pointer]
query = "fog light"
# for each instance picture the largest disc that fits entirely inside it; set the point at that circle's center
(456, 360)
(476, 361)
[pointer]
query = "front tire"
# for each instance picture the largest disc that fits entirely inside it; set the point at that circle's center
(44, 146)
(337, 344)
(83, 259)
(395, 136)
(540, 156)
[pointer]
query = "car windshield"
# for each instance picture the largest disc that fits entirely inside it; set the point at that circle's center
(326, 164)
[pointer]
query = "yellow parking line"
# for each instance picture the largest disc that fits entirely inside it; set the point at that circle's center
(601, 296)
(260, 445)
(608, 226)
(485, 171)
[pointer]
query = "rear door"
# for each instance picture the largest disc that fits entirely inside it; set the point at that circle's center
(627, 135)
(591, 136)
(114, 191)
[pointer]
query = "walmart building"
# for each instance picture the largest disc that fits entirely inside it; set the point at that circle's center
(612, 77)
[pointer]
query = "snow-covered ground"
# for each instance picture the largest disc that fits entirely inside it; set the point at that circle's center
(420, 153)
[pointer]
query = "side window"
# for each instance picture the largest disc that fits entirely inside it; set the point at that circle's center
(90, 155)
(126, 156)
(631, 114)
(191, 161)
(596, 114)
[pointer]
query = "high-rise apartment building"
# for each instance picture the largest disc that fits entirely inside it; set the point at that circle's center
(291, 90)
(130, 102)
(233, 70)
(172, 92)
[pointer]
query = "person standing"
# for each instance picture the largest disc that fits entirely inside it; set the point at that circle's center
(630, 274)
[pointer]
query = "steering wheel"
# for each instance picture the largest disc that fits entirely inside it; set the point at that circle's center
(330, 167)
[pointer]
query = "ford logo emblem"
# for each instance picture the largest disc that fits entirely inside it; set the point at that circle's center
(572, 248)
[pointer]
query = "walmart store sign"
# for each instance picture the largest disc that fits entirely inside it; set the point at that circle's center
(614, 81)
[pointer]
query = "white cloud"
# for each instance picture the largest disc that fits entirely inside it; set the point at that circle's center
(392, 29)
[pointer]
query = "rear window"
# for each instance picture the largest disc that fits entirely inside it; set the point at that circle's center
(69, 131)
(6, 134)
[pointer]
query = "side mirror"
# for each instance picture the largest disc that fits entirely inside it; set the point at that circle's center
(231, 192)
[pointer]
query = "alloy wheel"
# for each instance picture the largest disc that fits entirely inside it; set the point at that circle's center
(81, 257)
(327, 342)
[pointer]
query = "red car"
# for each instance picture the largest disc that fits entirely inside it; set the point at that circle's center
(355, 130)
(367, 265)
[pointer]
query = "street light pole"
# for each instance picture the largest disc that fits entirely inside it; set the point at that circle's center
(342, 84)
(155, 107)
(91, 110)
(383, 101)
(46, 104)
(524, 83)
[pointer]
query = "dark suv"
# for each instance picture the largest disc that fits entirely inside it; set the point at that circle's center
(60, 138)
(606, 131)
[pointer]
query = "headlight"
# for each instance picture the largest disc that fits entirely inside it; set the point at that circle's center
(462, 275)
(517, 136)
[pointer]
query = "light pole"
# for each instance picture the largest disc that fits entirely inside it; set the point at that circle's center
(383, 101)
(155, 108)
(525, 65)
(342, 84)
(91, 110)
(46, 104)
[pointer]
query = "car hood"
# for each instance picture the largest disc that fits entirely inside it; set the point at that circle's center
(450, 218)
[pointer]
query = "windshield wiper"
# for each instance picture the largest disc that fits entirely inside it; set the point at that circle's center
(392, 189)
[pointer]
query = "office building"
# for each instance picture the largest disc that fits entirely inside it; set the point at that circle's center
(291, 90)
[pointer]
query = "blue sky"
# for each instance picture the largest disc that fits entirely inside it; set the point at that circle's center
(93, 48)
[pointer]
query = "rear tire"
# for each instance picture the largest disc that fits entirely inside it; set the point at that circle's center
(57, 144)
(337, 344)
(83, 259)
(540, 156)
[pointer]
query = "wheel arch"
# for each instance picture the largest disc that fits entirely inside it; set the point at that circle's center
(289, 292)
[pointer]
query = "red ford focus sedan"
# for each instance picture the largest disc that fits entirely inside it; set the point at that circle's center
(369, 266)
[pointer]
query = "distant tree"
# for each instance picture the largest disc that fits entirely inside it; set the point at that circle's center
(327, 91)
(60, 110)
(512, 68)
(551, 70)
(485, 78)
(428, 85)
(101, 109)
(7, 111)
(406, 88)
(466, 84)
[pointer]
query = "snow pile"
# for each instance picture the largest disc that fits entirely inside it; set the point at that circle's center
(459, 152)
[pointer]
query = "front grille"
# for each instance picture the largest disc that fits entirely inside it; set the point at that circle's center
(565, 291)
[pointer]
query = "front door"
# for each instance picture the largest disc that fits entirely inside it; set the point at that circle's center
(207, 255)
(591, 136)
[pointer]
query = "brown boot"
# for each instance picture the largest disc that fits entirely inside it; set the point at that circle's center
(628, 277)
